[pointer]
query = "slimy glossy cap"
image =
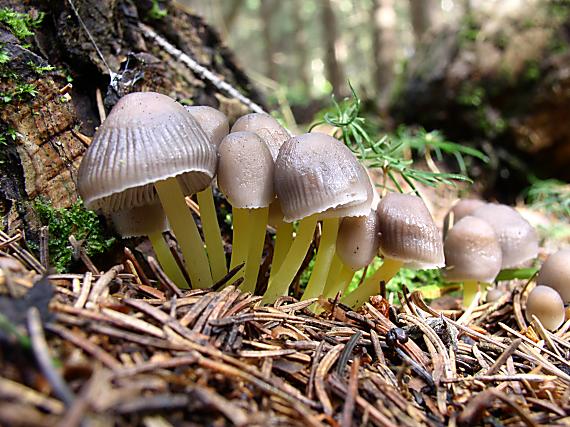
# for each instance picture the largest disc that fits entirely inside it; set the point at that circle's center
(461, 209)
(315, 173)
(555, 273)
(358, 240)
(140, 221)
(213, 122)
(147, 137)
(545, 303)
(407, 231)
(245, 171)
(518, 239)
(472, 251)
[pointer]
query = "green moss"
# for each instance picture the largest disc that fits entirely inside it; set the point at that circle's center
(20, 24)
(20, 92)
(82, 223)
(156, 12)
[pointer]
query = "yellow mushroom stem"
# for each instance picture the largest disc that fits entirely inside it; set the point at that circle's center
(257, 227)
(371, 286)
(334, 271)
(186, 232)
(212, 234)
(325, 253)
(283, 241)
(470, 289)
(280, 280)
(240, 241)
(339, 282)
(166, 259)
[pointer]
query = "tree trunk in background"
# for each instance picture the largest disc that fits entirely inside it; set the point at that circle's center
(333, 67)
(384, 48)
(266, 18)
(52, 125)
(421, 14)
(301, 45)
(232, 13)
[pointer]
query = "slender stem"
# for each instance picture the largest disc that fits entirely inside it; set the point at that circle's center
(240, 241)
(283, 241)
(184, 227)
(371, 285)
(325, 253)
(470, 289)
(258, 225)
(280, 281)
(340, 282)
(212, 234)
(166, 260)
(334, 271)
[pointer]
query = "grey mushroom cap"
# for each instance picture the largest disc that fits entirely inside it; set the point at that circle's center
(555, 273)
(546, 304)
(213, 122)
(315, 173)
(246, 171)
(518, 239)
(459, 210)
(140, 221)
(147, 137)
(266, 127)
(358, 240)
(408, 232)
(472, 251)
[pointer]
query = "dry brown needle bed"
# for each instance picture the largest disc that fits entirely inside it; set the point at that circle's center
(117, 348)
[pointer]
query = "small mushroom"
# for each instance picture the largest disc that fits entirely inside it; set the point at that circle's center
(408, 235)
(555, 273)
(472, 255)
(357, 244)
(215, 125)
(545, 303)
(461, 209)
(518, 239)
(315, 175)
(245, 176)
(151, 148)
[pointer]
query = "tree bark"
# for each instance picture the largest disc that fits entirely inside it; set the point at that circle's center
(106, 51)
(333, 67)
(301, 45)
(266, 18)
(421, 15)
(384, 48)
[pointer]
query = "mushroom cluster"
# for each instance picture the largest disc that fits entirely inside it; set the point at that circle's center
(480, 240)
(151, 153)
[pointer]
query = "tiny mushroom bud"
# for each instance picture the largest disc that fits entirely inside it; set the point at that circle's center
(555, 273)
(545, 303)
(408, 235)
(472, 255)
(518, 239)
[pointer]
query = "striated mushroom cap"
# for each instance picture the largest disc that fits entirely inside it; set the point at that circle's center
(459, 210)
(213, 122)
(518, 239)
(407, 231)
(555, 273)
(147, 137)
(472, 251)
(245, 171)
(358, 240)
(315, 173)
(545, 303)
(140, 221)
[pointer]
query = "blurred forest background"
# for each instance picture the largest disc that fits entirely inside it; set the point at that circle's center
(493, 74)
